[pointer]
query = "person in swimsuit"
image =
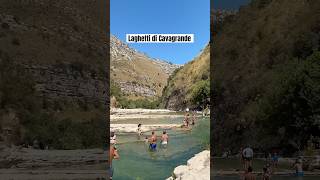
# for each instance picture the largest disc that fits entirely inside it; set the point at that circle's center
(139, 130)
(193, 118)
(164, 139)
(265, 175)
(113, 137)
(186, 120)
(249, 175)
(275, 160)
(113, 154)
(153, 141)
(298, 168)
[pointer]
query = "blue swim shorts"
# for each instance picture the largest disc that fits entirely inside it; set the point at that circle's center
(153, 146)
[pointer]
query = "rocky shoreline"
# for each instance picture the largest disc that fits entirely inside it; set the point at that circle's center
(198, 167)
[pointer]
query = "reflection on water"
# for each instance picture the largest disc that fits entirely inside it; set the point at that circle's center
(138, 162)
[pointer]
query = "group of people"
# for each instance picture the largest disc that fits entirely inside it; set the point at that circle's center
(152, 140)
(268, 169)
(187, 120)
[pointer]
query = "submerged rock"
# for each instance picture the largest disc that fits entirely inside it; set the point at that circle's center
(197, 168)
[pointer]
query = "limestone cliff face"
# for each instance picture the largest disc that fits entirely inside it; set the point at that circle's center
(53, 69)
(136, 73)
(61, 44)
(66, 82)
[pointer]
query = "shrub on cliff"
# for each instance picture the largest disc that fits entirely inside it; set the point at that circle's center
(201, 93)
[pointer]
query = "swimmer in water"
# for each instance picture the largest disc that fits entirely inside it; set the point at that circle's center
(153, 141)
(113, 154)
(164, 139)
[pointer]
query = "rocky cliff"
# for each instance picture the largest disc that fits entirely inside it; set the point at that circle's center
(136, 73)
(189, 85)
(263, 59)
(53, 68)
(64, 49)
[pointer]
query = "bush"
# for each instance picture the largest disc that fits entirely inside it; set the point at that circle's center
(288, 111)
(200, 93)
(65, 133)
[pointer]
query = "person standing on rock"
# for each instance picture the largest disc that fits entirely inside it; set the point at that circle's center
(113, 154)
(153, 141)
(164, 139)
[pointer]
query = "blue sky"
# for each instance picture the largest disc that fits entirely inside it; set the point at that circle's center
(229, 4)
(163, 16)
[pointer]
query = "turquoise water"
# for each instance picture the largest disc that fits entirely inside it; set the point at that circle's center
(138, 163)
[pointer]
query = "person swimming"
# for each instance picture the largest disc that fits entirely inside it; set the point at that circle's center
(153, 141)
(164, 139)
(146, 140)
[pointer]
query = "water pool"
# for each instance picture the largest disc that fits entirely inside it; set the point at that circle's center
(138, 163)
